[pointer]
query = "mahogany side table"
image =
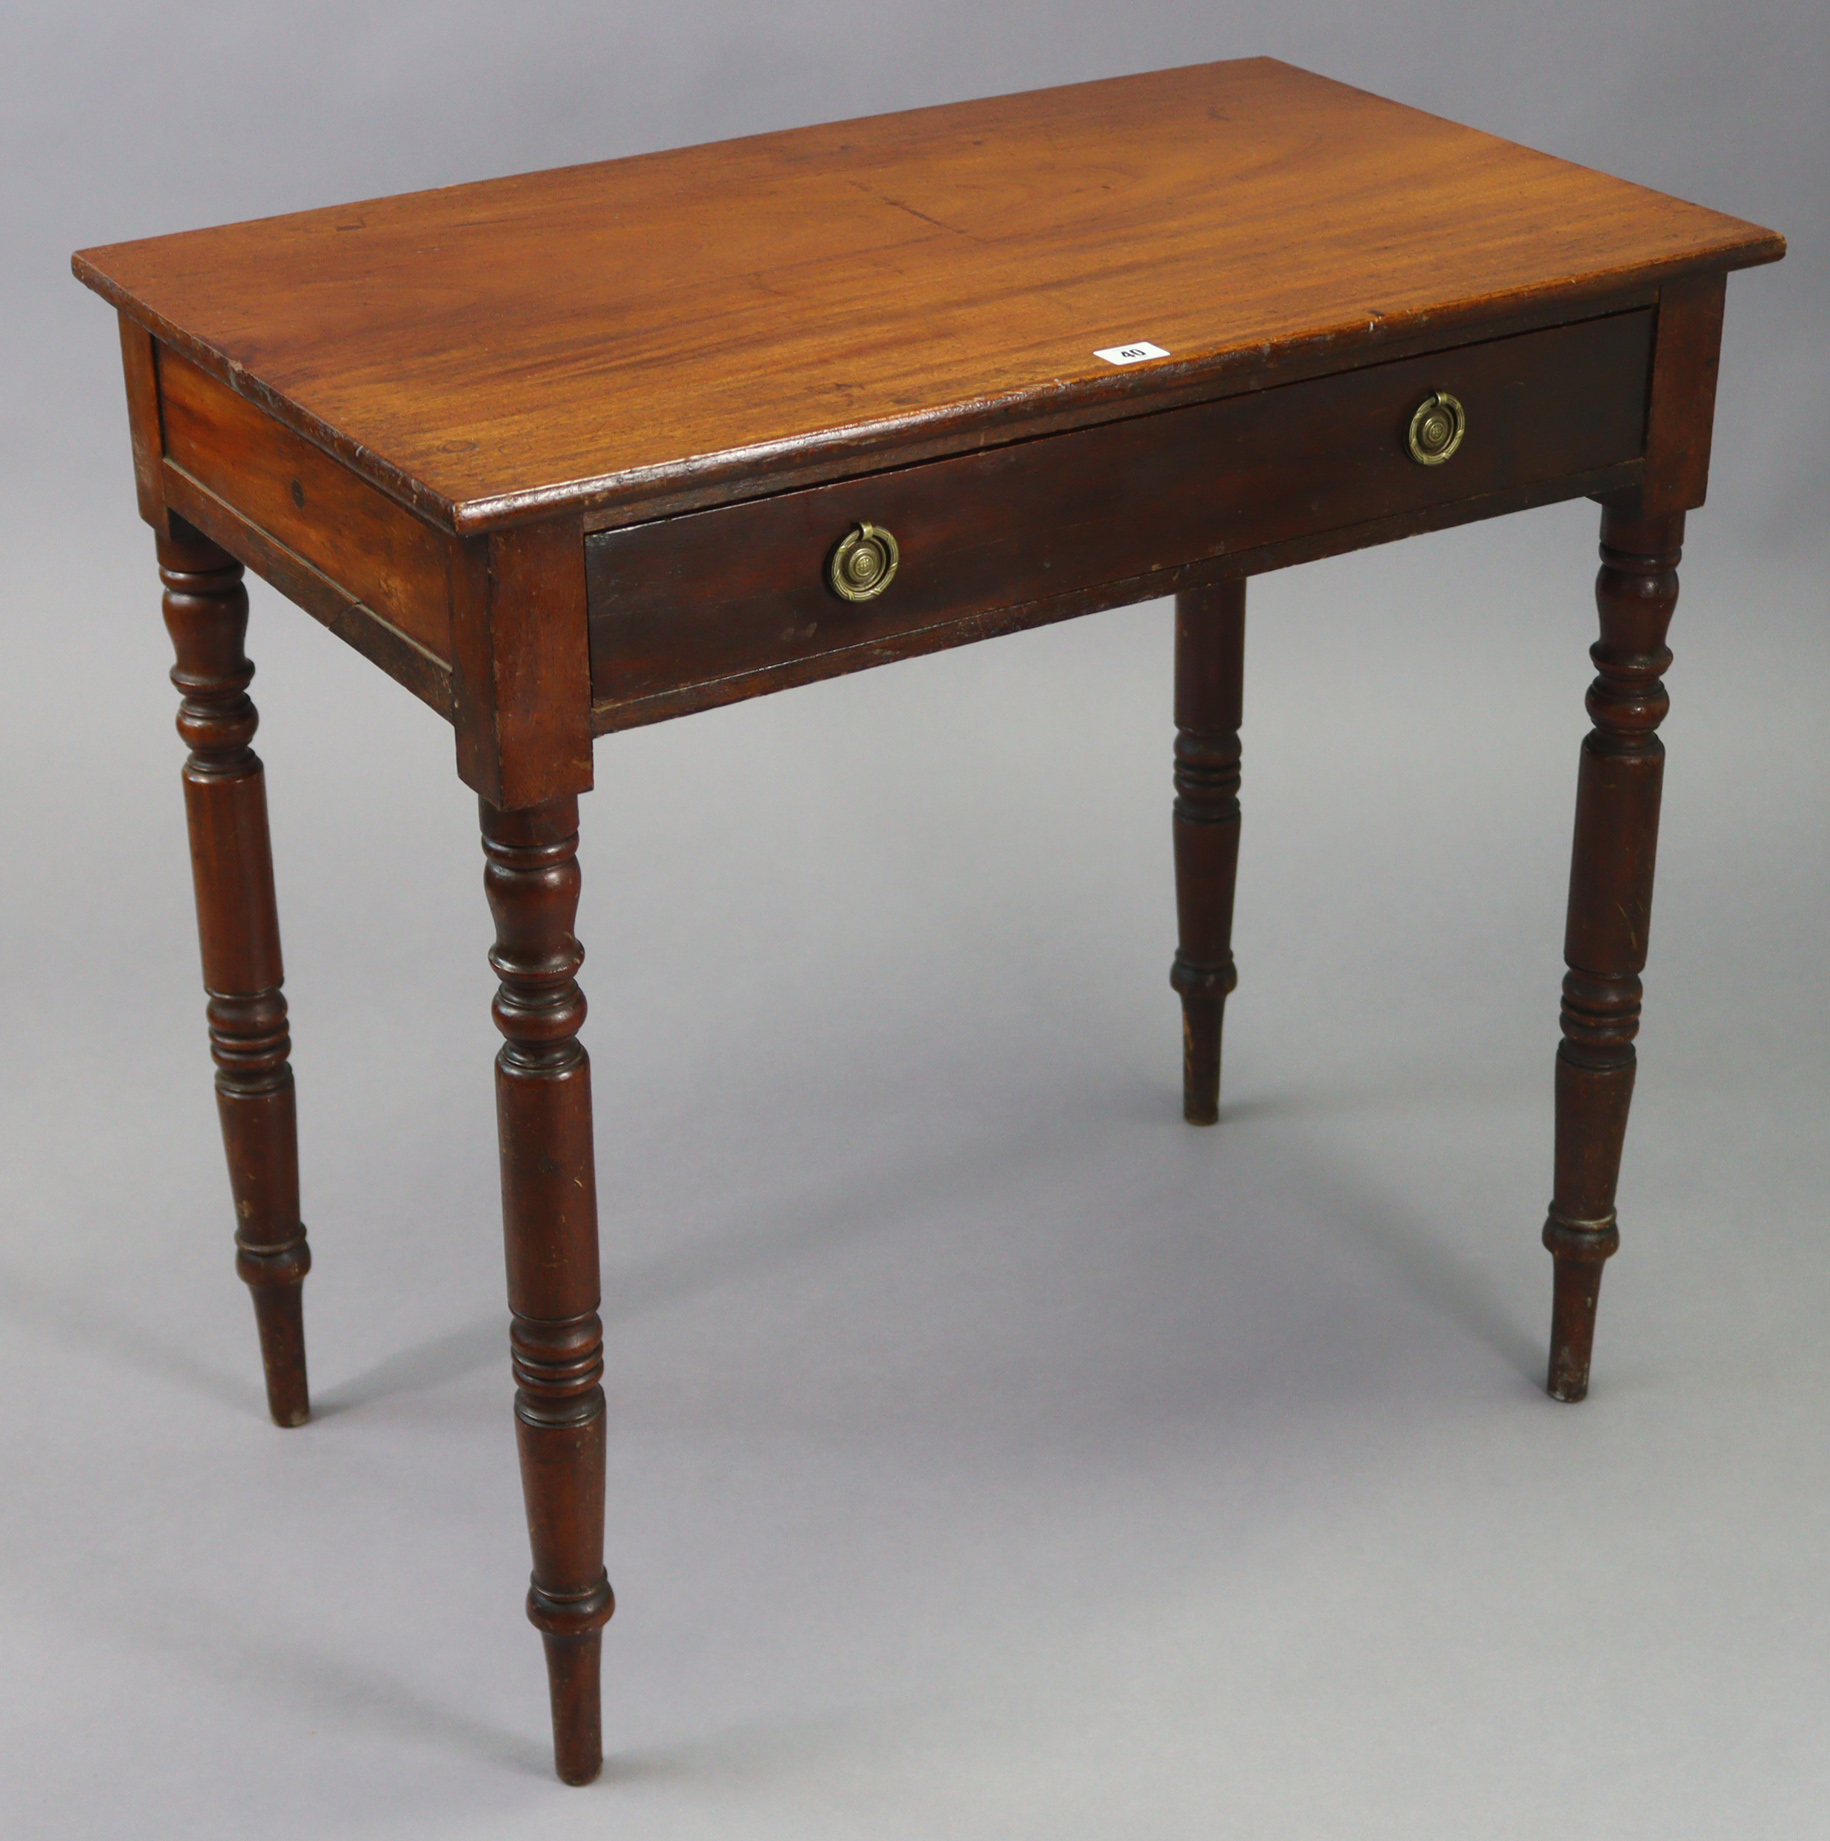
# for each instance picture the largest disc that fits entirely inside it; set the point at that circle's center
(578, 450)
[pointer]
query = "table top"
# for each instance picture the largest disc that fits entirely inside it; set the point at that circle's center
(706, 322)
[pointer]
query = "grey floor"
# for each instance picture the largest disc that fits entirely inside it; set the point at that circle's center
(991, 1454)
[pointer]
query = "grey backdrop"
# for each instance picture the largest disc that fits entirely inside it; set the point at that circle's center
(990, 1454)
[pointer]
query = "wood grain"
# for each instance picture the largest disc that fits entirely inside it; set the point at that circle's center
(706, 322)
(378, 641)
(1681, 418)
(740, 590)
(521, 678)
(379, 553)
(994, 623)
(140, 370)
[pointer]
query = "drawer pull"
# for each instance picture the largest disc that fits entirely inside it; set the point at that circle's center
(1437, 427)
(863, 564)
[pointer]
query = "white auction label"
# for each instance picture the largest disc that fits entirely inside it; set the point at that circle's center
(1135, 353)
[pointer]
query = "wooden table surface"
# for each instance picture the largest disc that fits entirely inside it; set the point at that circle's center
(690, 326)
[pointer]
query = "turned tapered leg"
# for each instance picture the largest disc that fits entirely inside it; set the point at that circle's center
(549, 1216)
(225, 798)
(1210, 673)
(1610, 910)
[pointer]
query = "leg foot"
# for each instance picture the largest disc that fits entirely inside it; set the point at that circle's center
(1578, 1253)
(1209, 701)
(573, 1671)
(1203, 990)
(279, 1315)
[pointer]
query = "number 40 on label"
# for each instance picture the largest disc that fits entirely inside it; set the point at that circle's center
(1134, 353)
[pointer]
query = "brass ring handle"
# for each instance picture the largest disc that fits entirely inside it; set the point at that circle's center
(1437, 426)
(863, 563)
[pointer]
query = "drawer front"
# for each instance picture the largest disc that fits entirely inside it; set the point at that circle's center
(713, 596)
